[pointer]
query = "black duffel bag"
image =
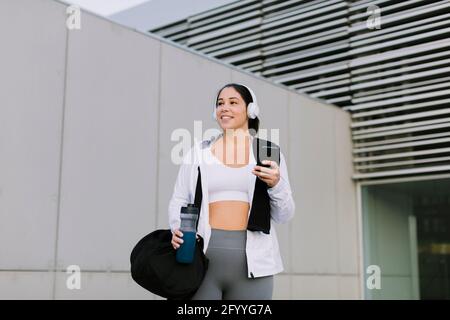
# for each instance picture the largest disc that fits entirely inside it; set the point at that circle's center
(154, 266)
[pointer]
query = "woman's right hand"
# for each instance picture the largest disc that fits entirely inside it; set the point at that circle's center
(176, 238)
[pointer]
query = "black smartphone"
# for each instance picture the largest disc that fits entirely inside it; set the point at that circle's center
(271, 153)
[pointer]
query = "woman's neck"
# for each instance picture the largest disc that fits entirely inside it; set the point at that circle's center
(233, 146)
(232, 136)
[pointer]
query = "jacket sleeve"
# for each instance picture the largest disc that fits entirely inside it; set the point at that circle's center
(181, 195)
(282, 206)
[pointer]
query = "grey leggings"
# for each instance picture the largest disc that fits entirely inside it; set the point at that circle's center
(226, 277)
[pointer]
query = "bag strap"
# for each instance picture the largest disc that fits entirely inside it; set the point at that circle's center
(198, 194)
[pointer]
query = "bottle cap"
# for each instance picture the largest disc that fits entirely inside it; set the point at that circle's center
(191, 208)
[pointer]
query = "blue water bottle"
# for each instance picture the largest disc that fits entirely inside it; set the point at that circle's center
(188, 226)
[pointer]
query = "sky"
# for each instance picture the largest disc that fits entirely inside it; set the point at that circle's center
(106, 7)
(148, 14)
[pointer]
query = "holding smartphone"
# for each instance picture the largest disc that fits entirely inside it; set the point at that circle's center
(267, 151)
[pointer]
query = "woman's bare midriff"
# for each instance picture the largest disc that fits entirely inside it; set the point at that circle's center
(228, 215)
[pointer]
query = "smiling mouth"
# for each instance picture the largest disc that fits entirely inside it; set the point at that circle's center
(226, 117)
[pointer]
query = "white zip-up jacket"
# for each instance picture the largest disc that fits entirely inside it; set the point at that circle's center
(262, 250)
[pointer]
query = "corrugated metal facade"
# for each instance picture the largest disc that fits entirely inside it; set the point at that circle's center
(394, 79)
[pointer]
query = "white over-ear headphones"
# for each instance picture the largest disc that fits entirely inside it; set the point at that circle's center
(252, 108)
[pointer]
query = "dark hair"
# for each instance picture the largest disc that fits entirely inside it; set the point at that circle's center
(253, 124)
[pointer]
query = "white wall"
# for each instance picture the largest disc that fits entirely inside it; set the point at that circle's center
(85, 171)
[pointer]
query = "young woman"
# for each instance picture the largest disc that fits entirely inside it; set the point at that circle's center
(242, 258)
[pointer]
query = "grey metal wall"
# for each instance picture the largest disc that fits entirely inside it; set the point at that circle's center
(394, 80)
(85, 171)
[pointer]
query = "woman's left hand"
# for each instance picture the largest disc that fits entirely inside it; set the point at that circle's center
(271, 175)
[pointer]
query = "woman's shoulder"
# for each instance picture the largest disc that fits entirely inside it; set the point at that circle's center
(207, 142)
(195, 151)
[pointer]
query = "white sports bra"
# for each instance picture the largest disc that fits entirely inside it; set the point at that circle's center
(227, 183)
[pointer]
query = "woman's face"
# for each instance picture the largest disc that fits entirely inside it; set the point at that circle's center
(231, 110)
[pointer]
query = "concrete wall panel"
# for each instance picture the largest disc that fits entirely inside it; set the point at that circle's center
(32, 64)
(313, 176)
(110, 145)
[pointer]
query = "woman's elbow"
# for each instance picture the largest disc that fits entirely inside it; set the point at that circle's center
(285, 214)
(291, 210)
